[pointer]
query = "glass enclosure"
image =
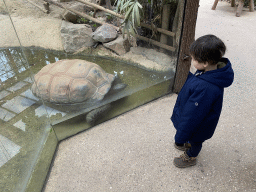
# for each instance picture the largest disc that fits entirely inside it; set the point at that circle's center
(62, 72)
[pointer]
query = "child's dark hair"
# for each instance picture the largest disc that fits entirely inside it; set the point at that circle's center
(208, 48)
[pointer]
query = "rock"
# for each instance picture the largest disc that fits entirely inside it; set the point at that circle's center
(119, 45)
(133, 41)
(71, 17)
(102, 51)
(76, 36)
(102, 19)
(151, 59)
(104, 34)
(100, 14)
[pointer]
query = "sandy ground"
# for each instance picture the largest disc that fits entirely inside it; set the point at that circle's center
(33, 26)
(134, 152)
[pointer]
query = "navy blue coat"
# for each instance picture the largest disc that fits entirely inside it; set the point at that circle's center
(199, 103)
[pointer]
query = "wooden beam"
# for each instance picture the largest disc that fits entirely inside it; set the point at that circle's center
(167, 47)
(80, 14)
(166, 32)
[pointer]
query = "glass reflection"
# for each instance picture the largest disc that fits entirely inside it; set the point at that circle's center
(24, 124)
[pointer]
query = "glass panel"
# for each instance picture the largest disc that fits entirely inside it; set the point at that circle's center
(24, 123)
(75, 73)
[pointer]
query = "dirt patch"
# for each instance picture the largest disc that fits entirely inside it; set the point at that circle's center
(23, 8)
(33, 26)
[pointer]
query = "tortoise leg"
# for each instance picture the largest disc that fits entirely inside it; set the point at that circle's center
(95, 114)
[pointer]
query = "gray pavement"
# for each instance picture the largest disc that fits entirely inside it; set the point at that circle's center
(134, 152)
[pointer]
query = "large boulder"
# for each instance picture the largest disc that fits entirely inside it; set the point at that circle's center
(76, 36)
(151, 59)
(120, 45)
(104, 34)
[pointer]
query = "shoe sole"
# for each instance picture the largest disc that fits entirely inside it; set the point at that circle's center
(179, 166)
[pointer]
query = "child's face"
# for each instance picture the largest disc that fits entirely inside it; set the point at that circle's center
(203, 66)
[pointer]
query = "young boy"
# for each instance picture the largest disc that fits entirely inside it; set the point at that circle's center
(198, 106)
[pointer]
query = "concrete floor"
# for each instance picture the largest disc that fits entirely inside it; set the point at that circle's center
(134, 152)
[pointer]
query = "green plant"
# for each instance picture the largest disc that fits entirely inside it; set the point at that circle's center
(133, 13)
(95, 25)
(82, 20)
(109, 17)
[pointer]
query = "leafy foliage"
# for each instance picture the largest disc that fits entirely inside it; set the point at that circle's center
(133, 13)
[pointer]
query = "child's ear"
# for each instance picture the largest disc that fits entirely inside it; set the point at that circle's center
(205, 64)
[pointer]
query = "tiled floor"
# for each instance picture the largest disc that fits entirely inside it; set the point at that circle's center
(11, 109)
(8, 150)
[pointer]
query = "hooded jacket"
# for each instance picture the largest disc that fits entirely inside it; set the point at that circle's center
(199, 103)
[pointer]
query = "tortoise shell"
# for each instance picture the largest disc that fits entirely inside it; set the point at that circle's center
(71, 81)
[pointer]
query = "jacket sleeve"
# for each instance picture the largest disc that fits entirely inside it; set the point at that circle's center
(195, 110)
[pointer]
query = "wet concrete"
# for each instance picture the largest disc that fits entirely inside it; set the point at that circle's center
(134, 152)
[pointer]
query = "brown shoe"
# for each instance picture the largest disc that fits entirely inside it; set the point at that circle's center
(185, 147)
(184, 161)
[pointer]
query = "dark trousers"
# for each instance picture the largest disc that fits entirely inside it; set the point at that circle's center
(195, 149)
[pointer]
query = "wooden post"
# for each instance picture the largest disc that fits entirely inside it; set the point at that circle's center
(165, 22)
(215, 4)
(233, 3)
(188, 36)
(239, 8)
(251, 5)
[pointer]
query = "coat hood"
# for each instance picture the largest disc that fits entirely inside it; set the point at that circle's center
(222, 77)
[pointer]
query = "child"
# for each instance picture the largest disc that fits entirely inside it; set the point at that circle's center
(198, 106)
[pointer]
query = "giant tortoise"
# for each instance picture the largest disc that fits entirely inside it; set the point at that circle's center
(73, 82)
